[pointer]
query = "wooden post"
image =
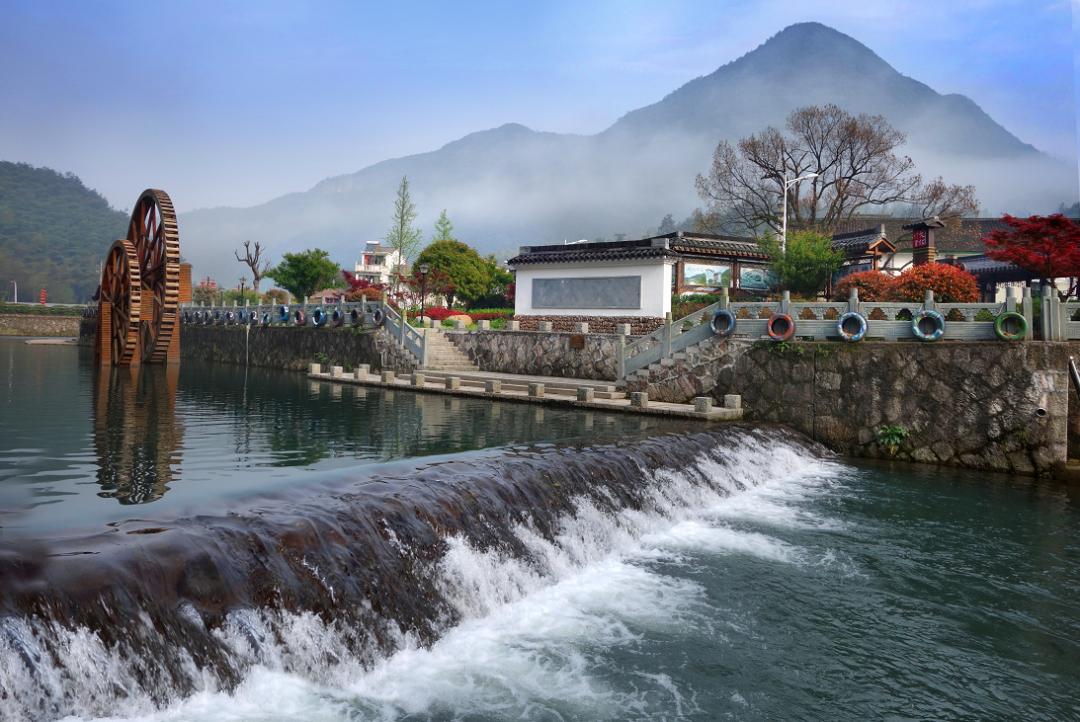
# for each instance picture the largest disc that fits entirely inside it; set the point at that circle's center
(104, 338)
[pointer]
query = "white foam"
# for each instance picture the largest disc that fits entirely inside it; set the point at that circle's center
(532, 631)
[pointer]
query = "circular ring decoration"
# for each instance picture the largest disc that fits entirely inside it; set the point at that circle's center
(121, 288)
(337, 317)
(197, 318)
(355, 318)
(318, 317)
(781, 327)
(1010, 326)
(156, 238)
(207, 318)
(218, 317)
(283, 314)
(253, 318)
(299, 318)
(378, 317)
(241, 317)
(230, 317)
(723, 323)
(851, 326)
(266, 319)
(928, 325)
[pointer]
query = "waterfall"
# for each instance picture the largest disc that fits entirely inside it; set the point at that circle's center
(343, 589)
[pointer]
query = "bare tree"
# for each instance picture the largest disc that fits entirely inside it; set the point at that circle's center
(253, 260)
(858, 167)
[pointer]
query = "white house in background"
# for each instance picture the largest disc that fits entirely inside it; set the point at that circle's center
(377, 262)
(627, 279)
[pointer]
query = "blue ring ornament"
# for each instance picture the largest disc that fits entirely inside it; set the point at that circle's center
(845, 321)
(934, 320)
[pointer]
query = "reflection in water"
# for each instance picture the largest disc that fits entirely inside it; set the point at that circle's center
(137, 434)
(81, 446)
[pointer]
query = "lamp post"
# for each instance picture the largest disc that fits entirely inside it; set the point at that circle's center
(424, 268)
(787, 184)
(243, 280)
(16, 285)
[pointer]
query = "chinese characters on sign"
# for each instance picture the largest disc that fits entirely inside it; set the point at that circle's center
(920, 238)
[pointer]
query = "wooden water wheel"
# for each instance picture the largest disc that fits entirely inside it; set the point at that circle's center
(120, 305)
(156, 238)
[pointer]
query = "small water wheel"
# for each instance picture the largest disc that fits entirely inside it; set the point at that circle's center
(120, 305)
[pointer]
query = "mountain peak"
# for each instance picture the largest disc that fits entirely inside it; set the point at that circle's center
(814, 44)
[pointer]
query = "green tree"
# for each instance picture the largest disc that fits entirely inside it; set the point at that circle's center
(304, 273)
(466, 271)
(444, 229)
(808, 264)
(403, 237)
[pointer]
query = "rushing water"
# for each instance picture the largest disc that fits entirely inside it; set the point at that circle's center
(511, 568)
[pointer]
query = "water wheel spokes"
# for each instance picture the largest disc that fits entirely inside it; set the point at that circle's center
(156, 238)
(121, 301)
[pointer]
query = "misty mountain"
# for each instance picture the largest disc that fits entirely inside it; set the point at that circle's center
(512, 186)
(54, 234)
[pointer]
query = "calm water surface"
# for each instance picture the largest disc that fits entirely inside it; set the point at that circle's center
(805, 588)
(81, 446)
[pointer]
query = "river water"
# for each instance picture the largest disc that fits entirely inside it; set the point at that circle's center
(215, 545)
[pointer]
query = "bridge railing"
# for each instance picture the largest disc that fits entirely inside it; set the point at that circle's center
(818, 320)
(368, 314)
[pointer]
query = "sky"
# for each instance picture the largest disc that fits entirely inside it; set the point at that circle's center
(235, 103)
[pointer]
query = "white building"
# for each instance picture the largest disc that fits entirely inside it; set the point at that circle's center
(378, 263)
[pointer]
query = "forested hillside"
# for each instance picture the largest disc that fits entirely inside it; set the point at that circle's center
(54, 233)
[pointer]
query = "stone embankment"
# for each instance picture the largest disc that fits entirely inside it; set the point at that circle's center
(571, 355)
(995, 406)
(20, 324)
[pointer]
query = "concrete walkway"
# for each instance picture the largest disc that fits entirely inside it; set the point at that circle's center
(600, 395)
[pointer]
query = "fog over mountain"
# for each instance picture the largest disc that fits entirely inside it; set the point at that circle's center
(512, 186)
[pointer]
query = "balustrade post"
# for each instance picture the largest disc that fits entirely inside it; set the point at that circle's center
(1028, 310)
(423, 349)
(928, 300)
(667, 335)
(724, 298)
(853, 300)
(1048, 314)
(785, 302)
(1010, 299)
(621, 356)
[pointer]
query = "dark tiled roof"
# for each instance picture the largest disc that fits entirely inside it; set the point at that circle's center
(858, 243)
(712, 245)
(578, 254)
(964, 237)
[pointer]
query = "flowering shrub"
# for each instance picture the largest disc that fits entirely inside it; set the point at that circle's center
(872, 285)
(437, 312)
(949, 283)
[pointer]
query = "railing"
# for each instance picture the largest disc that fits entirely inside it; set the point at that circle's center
(263, 314)
(1060, 319)
(818, 320)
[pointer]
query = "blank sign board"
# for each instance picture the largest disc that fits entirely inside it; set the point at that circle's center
(586, 293)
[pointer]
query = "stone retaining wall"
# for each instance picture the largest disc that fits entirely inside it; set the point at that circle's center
(24, 324)
(540, 354)
(994, 406)
(639, 326)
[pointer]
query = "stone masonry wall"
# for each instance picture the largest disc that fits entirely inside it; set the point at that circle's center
(293, 348)
(540, 354)
(639, 326)
(994, 406)
(19, 324)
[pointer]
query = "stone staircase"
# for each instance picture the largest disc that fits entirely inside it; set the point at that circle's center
(442, 355)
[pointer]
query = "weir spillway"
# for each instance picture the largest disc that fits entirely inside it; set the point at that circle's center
(322, 584)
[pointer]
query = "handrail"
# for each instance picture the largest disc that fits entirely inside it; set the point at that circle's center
(751, 316)
(406, 336)
(1075, 375)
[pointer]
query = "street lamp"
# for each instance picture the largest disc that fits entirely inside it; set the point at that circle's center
(787, 184)
(424, 268)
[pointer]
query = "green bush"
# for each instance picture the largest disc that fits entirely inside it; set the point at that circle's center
(29, 309)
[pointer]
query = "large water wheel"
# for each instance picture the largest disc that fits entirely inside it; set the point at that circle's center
(120, 305)
(154, 233)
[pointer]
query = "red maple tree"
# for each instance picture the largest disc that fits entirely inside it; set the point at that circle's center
(1046, 245)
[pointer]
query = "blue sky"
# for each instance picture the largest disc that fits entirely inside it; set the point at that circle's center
(235, 103)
